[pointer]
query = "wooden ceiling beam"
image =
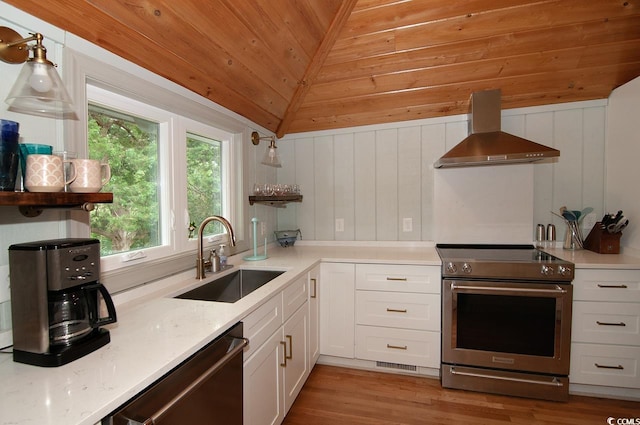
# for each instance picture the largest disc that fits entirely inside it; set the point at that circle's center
(340, 19)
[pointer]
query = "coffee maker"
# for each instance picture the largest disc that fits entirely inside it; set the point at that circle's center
(55, 301)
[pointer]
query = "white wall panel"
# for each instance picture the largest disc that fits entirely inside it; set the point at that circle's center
(365, 186)
(306, 180)
(409, 182)
(593, 168)
(433, 147)
(623, 150)
(324, 187)
(344, 183)
(287, 217)
(386, 167)
(385, 173)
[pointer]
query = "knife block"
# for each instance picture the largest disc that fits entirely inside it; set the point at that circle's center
(601, 241)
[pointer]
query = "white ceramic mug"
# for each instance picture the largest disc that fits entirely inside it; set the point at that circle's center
(45, 173)
(91, 175)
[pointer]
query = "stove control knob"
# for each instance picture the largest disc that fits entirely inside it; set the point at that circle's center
(564, 271)
(546, 270)
(452, 268)
(466, 268)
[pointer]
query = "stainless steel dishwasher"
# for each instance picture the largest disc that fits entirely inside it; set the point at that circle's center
(204, 389)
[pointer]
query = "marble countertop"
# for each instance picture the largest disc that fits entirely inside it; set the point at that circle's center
(155, 332)
(585, 259)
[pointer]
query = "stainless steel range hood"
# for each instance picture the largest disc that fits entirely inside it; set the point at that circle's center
(487, 144)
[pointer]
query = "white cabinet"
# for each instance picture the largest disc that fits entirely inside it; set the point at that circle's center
(276, 362)
(295, 351)
(337, 314)
(398, 314)
(314, 316)
(263, 380)
(605, 333)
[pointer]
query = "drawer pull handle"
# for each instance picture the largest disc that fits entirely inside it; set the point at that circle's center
(610, 323)
(396, 310)
(290, 356)
(397, 347)
(397, 279)
(622, 286)
(315, 288)
(600, 366)
(284, 353)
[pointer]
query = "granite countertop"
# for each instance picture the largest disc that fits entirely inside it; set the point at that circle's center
(156, 332)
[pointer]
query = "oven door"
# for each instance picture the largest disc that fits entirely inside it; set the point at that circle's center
(515, 326)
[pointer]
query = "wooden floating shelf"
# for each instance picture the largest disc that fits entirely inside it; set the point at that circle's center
(274, 201)
(31, 204)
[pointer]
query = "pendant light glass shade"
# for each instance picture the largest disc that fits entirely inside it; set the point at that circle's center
(271, 156)
(39, 91)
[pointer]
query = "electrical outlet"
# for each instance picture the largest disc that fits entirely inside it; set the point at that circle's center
(407, 224)
(339, 224)
(263, 228)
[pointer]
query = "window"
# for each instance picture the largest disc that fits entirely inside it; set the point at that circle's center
(204, 179)
(130, 146)
(168, 173)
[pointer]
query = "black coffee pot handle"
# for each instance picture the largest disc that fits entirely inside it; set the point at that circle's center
(111, 310)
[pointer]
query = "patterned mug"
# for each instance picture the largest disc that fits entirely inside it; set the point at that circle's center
(91, 175)
(45, 173)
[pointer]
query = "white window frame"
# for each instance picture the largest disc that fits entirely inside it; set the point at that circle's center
(166, 149)
(81, 70)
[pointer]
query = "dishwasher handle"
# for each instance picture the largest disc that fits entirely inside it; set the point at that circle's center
(155, 417)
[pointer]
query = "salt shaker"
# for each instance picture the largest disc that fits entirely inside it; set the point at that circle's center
(551, 232)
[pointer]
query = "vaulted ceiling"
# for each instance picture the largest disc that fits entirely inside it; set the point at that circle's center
(303, 65)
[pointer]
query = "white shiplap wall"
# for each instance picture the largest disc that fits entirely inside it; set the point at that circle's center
(374, 177)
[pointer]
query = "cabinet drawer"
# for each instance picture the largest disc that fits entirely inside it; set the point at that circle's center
(398, 278)
(260, 324)
(606, 285)
(294, 296)
(611, 365)
(606, 323)
(410, 347)
(398, 310)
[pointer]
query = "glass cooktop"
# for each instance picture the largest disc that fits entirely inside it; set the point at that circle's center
(502, 262)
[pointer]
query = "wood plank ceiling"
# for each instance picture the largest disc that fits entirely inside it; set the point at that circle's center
(303, 65)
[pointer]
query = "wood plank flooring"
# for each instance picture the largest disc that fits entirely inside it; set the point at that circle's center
(341, 396)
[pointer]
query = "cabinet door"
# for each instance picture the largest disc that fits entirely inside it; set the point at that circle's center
(337, 310)
(296, 371)
(314, 316)
(263, 379)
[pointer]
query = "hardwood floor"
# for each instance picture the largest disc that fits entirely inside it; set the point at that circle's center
(341, 396)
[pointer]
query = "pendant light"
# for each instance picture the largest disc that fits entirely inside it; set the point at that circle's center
(38, 89)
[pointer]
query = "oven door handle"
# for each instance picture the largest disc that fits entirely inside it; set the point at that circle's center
(553, 381)
(501, 290)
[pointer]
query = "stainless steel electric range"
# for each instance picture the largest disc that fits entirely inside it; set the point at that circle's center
(506, 320)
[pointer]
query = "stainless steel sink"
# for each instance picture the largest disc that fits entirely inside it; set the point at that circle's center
(232, 287)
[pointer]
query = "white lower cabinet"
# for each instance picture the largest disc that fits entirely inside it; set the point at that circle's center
(398, 315)
(278, 362)
(605, 333)
(337, 314)
(295, 352)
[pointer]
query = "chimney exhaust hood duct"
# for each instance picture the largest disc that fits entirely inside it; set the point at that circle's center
(487, 144)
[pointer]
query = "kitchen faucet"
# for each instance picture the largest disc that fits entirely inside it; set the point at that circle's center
(200, 261)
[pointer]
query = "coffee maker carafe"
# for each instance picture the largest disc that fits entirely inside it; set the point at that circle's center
(55, 301)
